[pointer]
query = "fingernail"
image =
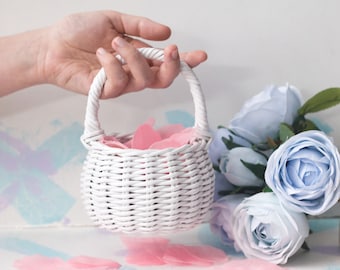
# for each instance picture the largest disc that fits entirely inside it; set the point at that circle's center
(174, 55)
(120, 42)
(101, 51)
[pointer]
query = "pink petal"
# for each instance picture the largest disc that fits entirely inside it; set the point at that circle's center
(145, 251)
(175, 140)
(112, 142)
(166, 143)
(158, 251)
(181, 255)
(168, 130)
(145, 257)
(85, 262)
(38, 262)
(184, 136)
(144, 136)
(210, 254)
(151, 122)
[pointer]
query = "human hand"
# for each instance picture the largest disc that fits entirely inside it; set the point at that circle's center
(80, 44)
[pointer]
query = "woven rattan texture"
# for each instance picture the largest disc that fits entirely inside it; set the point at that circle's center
(147, 191)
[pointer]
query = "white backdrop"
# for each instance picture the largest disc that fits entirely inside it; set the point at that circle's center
(250, 44)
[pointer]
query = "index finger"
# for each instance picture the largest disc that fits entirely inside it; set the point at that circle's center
(138, 26)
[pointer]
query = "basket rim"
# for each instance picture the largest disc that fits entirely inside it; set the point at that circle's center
(97, 145)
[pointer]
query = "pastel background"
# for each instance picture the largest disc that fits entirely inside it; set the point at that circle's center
(250, 44)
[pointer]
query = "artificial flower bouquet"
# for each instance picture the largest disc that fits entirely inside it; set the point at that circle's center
(274, 168)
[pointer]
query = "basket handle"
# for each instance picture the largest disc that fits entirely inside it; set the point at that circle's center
(92, 128)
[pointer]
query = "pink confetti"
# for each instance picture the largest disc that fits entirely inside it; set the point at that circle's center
(85, 262)
(183, 255)
(113, 142)
(175, 140)
(168, 130)
(146, 251)
(38, 262)
(159, 251)
(216, 256)
(146, 137)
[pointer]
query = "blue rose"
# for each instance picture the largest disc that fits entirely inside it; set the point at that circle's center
(260, 116)
(262, 228)
(234, 170)
(221, 222)
(304, 172)
(217, 147)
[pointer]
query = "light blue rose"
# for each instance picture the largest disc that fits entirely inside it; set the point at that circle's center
(221, 218)
(264, 229)
(217, 147)
(304, 172)
(260, 116)
(236, 172)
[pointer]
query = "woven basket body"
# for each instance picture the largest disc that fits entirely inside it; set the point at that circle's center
(147, 191)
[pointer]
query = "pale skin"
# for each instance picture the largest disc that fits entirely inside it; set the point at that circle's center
(69, 54)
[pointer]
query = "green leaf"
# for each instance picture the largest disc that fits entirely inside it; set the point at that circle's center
(285, 132)
(321, 101)
(305, 246)
(244, 190)
(310, 125)
(225, 192)
(216, 168)
(302, 124)
(229, 143)
(257, 169)
(267, 189)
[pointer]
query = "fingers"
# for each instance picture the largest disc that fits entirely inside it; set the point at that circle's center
(169, 69)
(117, 79)
(138, 73)
(134, 75)
(137, 67)
(194, 58)
(138, 26)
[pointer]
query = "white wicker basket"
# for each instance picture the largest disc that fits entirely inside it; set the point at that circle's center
(147, 191)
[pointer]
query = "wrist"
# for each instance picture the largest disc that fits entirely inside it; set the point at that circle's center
(21, 55)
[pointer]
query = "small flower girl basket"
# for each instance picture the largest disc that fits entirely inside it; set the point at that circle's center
(147, 191)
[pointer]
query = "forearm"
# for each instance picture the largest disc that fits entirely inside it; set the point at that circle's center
(19, 58)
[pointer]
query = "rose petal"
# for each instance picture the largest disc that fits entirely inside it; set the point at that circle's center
(179, 255)
(38, 262)
(208, 254)
(145, 256)
(163, 144)
(113, 142)
(82, 262)
(261, 115)
(168, 130)
(85, 262)
(175, 140)
(144, 136)
(145, 251)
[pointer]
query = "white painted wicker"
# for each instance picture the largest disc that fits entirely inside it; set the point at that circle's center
(147, 191)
